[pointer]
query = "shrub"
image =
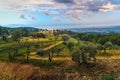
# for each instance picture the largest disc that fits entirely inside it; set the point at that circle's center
(76, 56)
(109, 77)
(37, 45)
(41, 52)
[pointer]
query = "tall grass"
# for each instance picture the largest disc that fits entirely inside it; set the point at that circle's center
(10, 71)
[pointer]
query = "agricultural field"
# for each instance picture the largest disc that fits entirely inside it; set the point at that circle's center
(59, 39)
(57, 56)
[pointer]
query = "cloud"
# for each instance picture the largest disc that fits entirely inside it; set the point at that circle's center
(56, 19)
(68, 2)
(22, 16)
(32, 17)
(108, 7)
(71, 8)
(46, 12)
(90, 5)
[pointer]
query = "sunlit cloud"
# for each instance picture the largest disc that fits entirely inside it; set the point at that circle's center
(56, 19)
(90, 5)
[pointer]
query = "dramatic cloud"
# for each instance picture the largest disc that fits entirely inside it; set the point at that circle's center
(72, 8)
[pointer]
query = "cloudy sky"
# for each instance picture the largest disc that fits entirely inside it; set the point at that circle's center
(60, 13)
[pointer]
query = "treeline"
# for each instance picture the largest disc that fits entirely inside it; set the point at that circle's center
(4, 31)
(100, 38)
(17, 33)
(24, 30)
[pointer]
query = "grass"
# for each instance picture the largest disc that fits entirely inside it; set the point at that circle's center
(61, 68)
(24, 40)
(9, 40)
(66, 70)
(22, 51)
(10, 71)
(111, 77)
(110, 52)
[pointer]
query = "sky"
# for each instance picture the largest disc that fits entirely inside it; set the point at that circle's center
(60, 13)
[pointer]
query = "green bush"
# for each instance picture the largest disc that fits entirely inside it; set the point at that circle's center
(109, 77)
(76, 56)
(41, 52)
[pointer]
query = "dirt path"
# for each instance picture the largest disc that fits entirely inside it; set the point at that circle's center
(69, 58)
(47, 48)
(34, 56)
(51, 46)
(54, 58)
(112, 57)
(22, 41)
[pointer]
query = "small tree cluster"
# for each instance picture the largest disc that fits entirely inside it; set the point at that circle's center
(84, 54)
(41, 52)
(37, 35)
(16, 35)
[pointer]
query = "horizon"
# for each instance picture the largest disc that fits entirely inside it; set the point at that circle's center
(57, 14)
(65, 28)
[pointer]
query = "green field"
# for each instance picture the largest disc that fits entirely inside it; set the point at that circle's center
(56, 58)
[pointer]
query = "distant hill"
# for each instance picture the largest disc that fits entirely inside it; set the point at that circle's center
(30, 29)
(15, 25)
(113, 29)
(8, 30)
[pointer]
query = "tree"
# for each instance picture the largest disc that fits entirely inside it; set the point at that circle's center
(50, 56)
(37, 35)
(16, 35)
(9, 56)
(107, 45)
(55, 33)
(65, 38)
(37, 45)
(4, 33)
(25, 32)
(4, 38)
(15, 49)
(70, 46)
(58, 49)
(76, 56)
(41, 52)
(99, 48)
(84, 54)
(28, 52)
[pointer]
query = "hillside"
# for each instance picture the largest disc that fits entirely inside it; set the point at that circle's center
(112, 29)
(8, 30)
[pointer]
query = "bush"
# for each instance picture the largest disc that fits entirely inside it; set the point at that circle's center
(37, 45)
(41, 52)
(109, 77)
(76, 56)
(84, 54)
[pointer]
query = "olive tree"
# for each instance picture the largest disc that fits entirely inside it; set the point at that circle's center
(4, 38)
(70, 46)
(107, 45)
(16, 35)
(28, 52)
(84, 54)
(76, 56)
(12, 57)
(65, 38)
(41, 52)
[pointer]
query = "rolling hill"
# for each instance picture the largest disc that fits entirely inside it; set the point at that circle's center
(112, 29)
